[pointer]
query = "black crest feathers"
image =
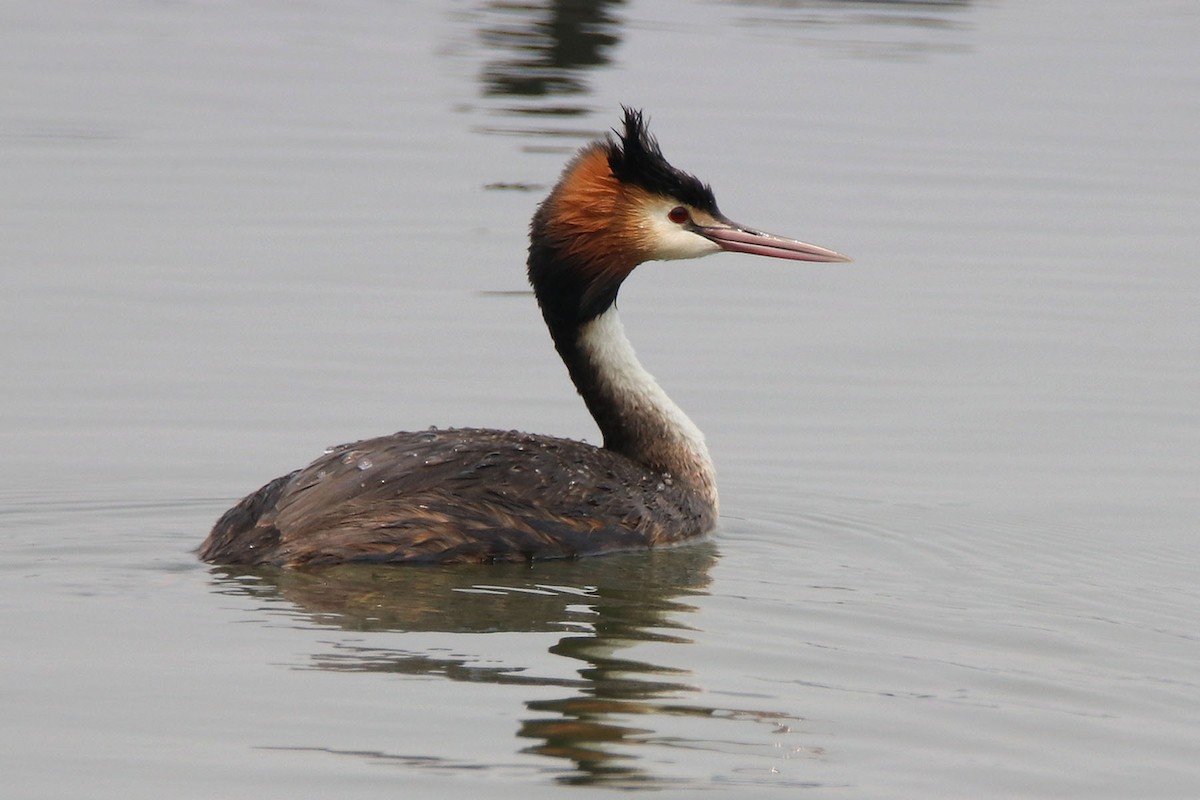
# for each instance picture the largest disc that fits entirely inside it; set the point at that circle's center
(636, 158)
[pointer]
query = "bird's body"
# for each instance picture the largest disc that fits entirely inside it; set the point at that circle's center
(460, 495)
(474, 495)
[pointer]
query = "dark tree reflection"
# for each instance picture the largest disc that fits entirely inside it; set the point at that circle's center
(544, 49)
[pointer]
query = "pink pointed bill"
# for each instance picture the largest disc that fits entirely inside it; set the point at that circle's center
(737, 239)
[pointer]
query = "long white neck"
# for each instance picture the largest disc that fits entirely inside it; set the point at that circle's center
(635, 415)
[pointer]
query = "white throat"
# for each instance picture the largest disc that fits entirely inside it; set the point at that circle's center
(665, 434)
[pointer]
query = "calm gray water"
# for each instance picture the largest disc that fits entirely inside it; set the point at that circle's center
(960, 477)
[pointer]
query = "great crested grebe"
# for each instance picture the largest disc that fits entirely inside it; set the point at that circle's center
(474, 495)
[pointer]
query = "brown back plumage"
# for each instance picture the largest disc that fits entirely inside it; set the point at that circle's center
(458, 495)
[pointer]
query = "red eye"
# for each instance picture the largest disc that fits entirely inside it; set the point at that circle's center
(678, 215)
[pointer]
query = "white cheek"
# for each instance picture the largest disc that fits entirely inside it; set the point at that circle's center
(670, 241)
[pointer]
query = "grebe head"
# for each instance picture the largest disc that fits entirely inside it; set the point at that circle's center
(620, 203)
